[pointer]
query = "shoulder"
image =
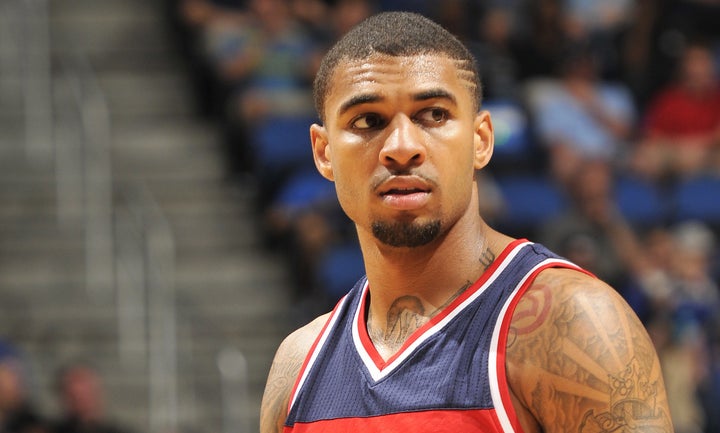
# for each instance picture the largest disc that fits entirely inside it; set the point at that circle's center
(578, 357)
(285, 368)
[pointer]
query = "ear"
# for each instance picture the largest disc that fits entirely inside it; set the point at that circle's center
(321, 151)
(484, 139)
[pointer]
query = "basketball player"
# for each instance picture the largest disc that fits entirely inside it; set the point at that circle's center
(456, 327)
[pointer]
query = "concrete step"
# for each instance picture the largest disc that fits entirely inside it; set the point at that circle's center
(229, 291)
(165, 137)
(110, 25)
(151, 93)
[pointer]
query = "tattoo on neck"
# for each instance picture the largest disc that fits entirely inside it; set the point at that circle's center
(487, 258)
(405, 316)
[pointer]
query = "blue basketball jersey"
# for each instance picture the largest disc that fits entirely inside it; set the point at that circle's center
(449, 376)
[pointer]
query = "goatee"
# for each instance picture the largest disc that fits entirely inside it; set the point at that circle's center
(405, 234)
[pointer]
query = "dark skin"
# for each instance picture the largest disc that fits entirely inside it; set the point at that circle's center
(402, 140)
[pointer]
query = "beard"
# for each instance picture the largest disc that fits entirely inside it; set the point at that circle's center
(406, 234)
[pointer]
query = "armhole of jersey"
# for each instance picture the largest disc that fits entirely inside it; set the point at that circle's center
(502, 400)
(313, 352)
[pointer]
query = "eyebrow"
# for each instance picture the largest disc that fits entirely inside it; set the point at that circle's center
(369, 98)
(435, 94)
(366, 98)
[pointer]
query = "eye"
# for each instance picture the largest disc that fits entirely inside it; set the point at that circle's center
(367, 121)
(433, 115)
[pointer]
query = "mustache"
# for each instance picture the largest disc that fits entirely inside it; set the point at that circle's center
(381, 178)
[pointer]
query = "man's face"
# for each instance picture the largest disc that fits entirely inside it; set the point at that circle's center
(402, 141)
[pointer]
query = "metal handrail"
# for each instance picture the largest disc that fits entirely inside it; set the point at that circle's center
(37, 81)
(142, 285)
(147, 318)
(162, 315)
(11, 43)
(83, 171)
(146, 301)
(97, 180)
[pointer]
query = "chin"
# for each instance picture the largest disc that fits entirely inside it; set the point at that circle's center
(406, 234)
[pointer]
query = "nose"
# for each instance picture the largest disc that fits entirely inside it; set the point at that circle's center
(403, 147)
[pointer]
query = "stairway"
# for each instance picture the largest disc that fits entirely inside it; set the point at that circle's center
(230, 293)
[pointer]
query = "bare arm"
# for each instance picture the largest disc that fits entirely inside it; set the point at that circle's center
(283, 373)
(579, 360)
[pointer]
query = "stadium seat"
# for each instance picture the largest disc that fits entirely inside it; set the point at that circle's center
(698, 198)
(529, 202)
(642, 203)
(339, 269)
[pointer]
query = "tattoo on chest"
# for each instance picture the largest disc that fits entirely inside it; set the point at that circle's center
(406, 315)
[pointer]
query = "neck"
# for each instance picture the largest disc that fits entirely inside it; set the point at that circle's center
(406, 315)
(409, 286)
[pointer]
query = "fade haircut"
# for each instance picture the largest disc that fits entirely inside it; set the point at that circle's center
(398, 34)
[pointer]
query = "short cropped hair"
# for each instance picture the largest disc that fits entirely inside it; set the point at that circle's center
(395, 34)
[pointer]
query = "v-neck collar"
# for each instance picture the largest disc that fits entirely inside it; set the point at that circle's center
(371, 358)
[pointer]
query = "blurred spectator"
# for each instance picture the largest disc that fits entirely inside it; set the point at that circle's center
(17, 413)
(345, 14)
(681, 130)
(580, 117)
(680, 303)
(266, 66)
(601, 23)
(81, 394)
(541, 48)
(496, 54)
(194, 21)
(269, 61)
(591, 232)
(312, 15)
(589, 17)
(646, 49)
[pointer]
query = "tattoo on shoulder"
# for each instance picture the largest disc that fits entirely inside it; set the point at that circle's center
(586, 363)
(531, 313)
(633, 404)
(283, 373)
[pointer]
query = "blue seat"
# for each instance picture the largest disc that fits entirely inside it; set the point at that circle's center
(339, 269)
(529, 201)
(282, 144)
(305, 189)
(698, 198)
(642, 203)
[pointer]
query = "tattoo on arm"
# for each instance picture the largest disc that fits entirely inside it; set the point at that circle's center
(281, 379)
(585, 363)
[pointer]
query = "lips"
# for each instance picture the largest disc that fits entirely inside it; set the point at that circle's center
(405, 193)
(402, 191)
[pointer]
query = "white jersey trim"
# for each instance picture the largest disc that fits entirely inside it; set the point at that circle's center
(497, 386)
(318, 347)
(378, 374)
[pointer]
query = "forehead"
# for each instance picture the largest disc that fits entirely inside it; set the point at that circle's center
(387, 76)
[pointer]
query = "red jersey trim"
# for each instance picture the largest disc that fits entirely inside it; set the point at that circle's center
(504, 407)
(376, 364)
(430, 421)
(313, 352)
